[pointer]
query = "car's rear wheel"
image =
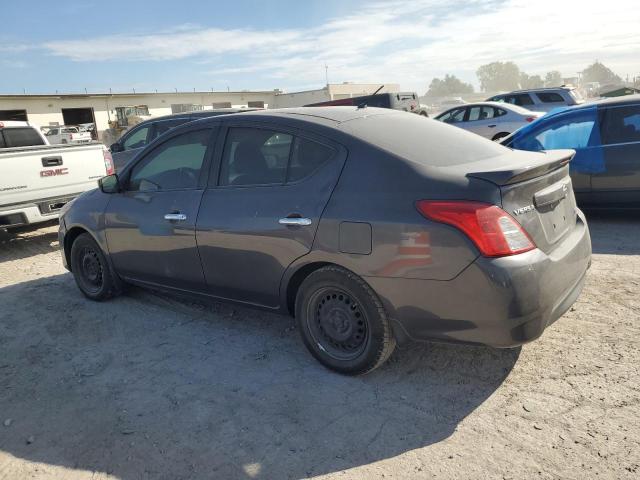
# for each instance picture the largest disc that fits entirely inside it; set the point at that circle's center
(500, 135)
(91, 270)
(342, 321)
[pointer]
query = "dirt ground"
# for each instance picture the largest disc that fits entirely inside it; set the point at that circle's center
(152, 387)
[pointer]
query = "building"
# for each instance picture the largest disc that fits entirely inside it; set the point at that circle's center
(115, 110)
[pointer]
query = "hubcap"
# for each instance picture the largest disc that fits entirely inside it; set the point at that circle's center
(337, 324)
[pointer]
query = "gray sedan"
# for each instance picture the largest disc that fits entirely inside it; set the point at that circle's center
(370, 226)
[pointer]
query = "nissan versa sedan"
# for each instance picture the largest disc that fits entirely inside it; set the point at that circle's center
(606, 137)
(370, 226)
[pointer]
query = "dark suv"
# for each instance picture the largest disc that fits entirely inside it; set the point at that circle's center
(134, 140)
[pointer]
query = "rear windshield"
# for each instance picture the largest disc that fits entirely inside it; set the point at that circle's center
(20, 137)
(421, 140)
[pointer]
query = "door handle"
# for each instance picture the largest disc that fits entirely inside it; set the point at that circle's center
(295, 221)
(175, 216)
(491, 126)
(51, 161)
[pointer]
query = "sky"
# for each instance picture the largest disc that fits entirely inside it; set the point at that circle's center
(69, 46)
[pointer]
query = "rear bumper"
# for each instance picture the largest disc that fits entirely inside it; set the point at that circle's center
(502, 302)
(36, 212)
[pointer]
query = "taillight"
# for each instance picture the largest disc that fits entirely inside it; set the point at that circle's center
(491, 229)
(530, 119)
(108, 162)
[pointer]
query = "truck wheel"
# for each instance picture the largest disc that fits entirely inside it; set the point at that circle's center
(342, 321)
(64, 141)
(91, 270)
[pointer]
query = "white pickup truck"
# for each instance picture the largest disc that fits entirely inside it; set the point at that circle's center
(38, 179)
(67, 135)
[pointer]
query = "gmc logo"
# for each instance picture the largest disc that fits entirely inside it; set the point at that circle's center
(54, 172)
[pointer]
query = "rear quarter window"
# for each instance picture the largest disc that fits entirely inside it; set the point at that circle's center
(550, 97)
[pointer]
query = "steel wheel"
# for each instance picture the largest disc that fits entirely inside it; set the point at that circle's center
(91, 270)
(337, 324)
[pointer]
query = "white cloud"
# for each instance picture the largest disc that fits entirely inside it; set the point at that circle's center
(404, 41)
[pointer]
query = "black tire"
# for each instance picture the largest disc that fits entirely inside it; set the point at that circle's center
(91, 270)
(500, 135)
(64, 141)
(342, 321)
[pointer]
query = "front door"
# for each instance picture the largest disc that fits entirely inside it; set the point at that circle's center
(619, 181)
(262, 213)
(150, 226)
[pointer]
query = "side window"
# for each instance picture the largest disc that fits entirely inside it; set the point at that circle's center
(453, 116)
(173, 165)
(474, 114)
(164, 126)
(621, 125)
(137, 139)
(500, 112)
(488, 113)
(523, 100)
(306, 158)
(550, 97)
(253, 156)
(567, 131)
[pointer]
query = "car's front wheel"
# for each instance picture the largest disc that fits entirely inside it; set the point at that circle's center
(500, 136)
(343, 322)
(91, 270)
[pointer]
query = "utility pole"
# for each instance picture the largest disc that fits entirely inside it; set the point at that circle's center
(326, 74)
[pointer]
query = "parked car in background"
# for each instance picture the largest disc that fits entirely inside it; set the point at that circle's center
(39, 179)
(134, 140)
(541, 99)
(415, 229)
(404, 101)
(491, 120)
(64, 135)
(20, 134)
(606, 137)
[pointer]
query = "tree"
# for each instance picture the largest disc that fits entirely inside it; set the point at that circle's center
(450, 85)
(498, 76)
(530, 81)
(553, 79)
(599, 73)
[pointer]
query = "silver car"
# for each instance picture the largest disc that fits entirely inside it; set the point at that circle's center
(541, 99)
(491, 120)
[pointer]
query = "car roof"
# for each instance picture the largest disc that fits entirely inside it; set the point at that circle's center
(198, 114)
(330, 114)
(541, 89)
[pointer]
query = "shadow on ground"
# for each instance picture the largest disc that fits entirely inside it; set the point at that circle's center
(146, 386)
(28, 241)
(615, 232)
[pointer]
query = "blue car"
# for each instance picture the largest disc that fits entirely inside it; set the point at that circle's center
(606, 137)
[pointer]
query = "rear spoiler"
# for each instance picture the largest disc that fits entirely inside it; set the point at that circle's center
(534, 167)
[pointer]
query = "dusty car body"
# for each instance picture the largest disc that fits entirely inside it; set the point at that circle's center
(369, 225)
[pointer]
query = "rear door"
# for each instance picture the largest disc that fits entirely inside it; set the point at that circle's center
(150, 226)
(262, 208)
(619, 181)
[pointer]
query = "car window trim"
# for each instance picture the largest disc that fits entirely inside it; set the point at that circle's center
(204, 170)
(339, 150)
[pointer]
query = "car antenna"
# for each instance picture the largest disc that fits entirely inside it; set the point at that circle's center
(363, 104)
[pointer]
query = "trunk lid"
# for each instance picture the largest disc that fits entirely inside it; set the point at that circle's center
(536, 190)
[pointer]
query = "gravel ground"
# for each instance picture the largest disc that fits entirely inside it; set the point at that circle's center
(149, 386)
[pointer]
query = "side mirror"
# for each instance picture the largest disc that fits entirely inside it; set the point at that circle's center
(116, 147)
(110, 183)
